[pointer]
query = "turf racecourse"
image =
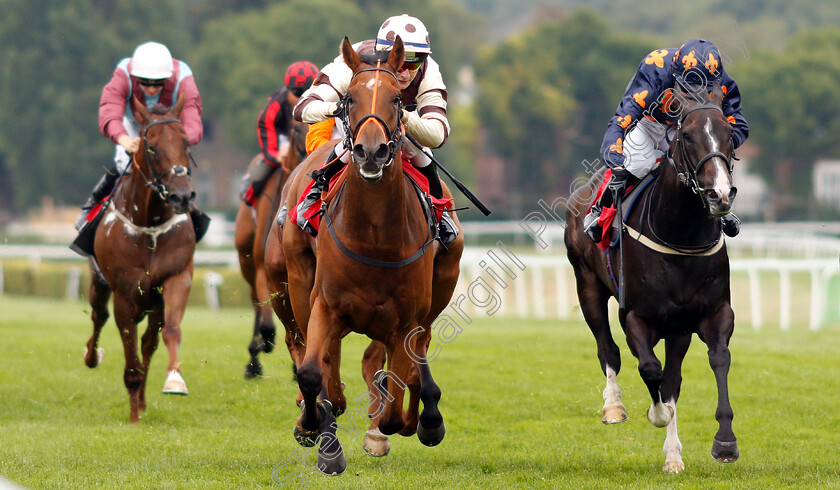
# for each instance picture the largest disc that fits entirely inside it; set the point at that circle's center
(521, 402)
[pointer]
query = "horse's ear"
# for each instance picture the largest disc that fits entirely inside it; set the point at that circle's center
(717, 95)
(141, 114)
(351, 57)
(397, 56)
(179, 106)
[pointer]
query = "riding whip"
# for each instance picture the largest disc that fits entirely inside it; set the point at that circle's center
(461, 187)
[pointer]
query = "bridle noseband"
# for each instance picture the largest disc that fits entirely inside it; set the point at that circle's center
(156, 182)
(686, 173)
(343, 111)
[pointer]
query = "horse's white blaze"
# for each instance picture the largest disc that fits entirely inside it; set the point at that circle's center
(373, 83)
(672, 447)
(721, 185)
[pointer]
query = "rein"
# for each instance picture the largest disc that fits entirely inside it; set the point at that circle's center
(343, 111)
(687, 174)
(156, 182)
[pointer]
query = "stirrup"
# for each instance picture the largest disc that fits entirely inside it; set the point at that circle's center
(591, 226)
(447, 230)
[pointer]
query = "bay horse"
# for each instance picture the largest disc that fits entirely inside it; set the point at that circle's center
(677, 274)
(144, 246)
(374, 270)
(256, 222)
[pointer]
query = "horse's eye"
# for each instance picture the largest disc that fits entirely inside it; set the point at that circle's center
(687, 138)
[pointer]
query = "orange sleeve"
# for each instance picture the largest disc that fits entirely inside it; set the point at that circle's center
(319, 133)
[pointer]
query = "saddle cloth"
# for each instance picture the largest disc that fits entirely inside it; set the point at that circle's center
(308, 216)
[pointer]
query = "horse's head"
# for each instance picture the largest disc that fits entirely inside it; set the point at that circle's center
(702, 150)
(371, 108)
(164, 159)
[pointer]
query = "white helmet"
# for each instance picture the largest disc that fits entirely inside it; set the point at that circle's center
(410, 29)
(152, 61)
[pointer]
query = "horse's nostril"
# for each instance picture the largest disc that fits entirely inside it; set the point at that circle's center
(192, 196)
(732, 193)
(382, 153)
(712, 195)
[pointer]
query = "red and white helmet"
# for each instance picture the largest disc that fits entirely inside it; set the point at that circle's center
(152, 61)
(412, 32)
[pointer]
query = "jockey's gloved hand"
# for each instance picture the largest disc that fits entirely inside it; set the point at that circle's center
(618, 182)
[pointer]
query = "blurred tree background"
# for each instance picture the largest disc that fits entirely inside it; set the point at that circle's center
(531, 83)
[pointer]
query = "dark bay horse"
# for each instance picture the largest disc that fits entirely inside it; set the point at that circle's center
(372, 270)
(144, 246)
(255, 222)
(677, 274)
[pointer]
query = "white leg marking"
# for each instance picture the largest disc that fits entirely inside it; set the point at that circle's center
(660, 414)
(613, 411)
(672, 447)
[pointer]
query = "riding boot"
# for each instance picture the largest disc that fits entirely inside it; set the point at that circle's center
(255, 182)
(615, 186)
(101, 190)
(447, 230)
(321, 178)
(200, 222)
(731, 225)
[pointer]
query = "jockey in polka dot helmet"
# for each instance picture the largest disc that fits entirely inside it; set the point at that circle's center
(423, 96)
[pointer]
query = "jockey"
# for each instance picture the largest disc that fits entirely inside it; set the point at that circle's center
(423, 98)
(643, 124)
(153, 77)
(273, 126)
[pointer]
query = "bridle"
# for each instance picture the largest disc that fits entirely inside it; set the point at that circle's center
(343, 111)
(686, 173)
(156, 181)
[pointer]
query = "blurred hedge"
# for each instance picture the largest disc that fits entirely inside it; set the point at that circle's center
(51, 280)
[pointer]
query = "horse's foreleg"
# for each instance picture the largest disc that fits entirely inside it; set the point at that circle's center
(430, 429)
(641, 340)
(135, 372)
(399, 365)
(175, 292)
(317, 417)
(243, 239)
(267, 330)
(148, 345)
(98, 297)
(373, 362)
(593, 303)
(675, 350)
(716, 335)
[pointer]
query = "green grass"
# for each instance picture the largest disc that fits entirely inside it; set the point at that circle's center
(521, 401)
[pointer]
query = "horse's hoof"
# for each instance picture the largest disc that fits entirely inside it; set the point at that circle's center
(614, 414)
(305, 439)
(376, 443)
(673, 466)
(332, 463)
(253, 370)
(431, 437)
(725, 452)
(100, 353)
(175, 384)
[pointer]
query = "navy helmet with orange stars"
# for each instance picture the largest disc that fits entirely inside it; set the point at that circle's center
(697, 65)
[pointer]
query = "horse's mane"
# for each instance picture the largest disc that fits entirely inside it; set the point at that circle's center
(160, 109)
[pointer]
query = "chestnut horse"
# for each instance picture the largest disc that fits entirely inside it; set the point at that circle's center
(374, 269)
(144, 246)
(677, 274)
(255, 222)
